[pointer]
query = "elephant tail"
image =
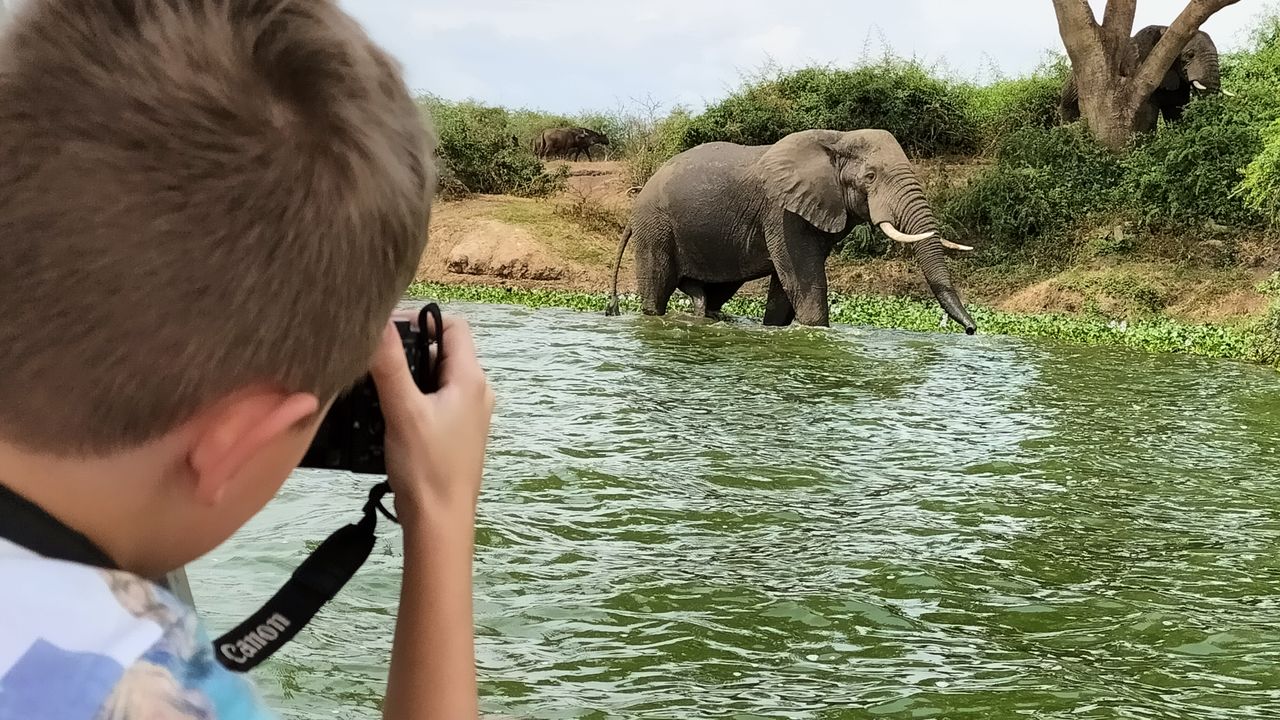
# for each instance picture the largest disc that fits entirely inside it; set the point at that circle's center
(617, 265)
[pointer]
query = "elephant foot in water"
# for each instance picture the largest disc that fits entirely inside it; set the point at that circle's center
(709, 299)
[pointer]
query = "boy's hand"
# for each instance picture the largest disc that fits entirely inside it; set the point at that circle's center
(435, 454)
(435, 443)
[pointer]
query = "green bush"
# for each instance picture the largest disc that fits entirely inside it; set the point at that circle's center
(1254, 73)
(1187, 173)
(928, 115)
(477, 155)
(1254, 76)
(1043, 184)
(863, 241)
(1264, 335)
(1261, 185)
(1221, 162)
(650, 141)
(1008, 105)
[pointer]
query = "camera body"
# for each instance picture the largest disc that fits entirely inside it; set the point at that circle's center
(351, 436)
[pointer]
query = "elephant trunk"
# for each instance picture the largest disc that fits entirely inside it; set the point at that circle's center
(902, 203)
(1205, 72)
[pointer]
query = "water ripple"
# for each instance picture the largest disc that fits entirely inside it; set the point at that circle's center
(684, 520)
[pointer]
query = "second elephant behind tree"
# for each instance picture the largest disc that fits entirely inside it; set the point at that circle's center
(717, 216)
(1196, 70)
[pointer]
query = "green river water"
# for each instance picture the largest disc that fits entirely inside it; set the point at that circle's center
(686, 520)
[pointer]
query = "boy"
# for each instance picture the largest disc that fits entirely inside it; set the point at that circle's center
(208, 209)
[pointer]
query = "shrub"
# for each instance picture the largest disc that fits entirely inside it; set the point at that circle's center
(1264, 335)
(477, 156)
(1254, 76)
(589, 213)
(863, 241)
(1044, 182)
(1188, 172)
(651, 141)
(928, 115)
(1261, 185)
(1006, 106)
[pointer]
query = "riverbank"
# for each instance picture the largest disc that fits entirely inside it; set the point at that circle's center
(1156, 334)
(558, 252)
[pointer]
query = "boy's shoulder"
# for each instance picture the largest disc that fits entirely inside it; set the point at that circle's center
(83, 642)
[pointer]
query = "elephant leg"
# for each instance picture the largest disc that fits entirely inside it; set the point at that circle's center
(778, 310)
(1146, 118)
(799, 255)
(697, 293)
(656, 274)
(717, 295)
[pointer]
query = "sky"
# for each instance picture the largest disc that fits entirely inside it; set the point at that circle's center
(572, 55)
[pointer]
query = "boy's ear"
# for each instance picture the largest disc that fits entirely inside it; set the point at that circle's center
(234, 432)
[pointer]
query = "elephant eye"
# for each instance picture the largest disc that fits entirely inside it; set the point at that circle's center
(869, 178)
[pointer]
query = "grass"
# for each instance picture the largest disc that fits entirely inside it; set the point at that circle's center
(554, 227)
(1250, 342)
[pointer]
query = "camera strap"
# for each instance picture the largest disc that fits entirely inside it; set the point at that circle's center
(316, 581)
(319, 578)
(313, 584)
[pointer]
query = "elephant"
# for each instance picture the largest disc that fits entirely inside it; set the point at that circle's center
(563, 141)
(1195, 70)
(720, 215)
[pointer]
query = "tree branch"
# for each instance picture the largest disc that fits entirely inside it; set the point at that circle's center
(1079, 30)
(1171, 45)
(1118, 19)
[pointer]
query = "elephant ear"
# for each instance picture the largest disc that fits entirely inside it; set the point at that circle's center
(798, 174)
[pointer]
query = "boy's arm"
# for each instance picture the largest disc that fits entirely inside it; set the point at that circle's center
(435, 457)
(433, 659)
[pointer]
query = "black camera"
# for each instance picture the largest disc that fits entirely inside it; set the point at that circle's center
(351, 435)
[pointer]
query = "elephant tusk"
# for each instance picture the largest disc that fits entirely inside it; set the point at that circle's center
(1198, 85)
(895, 234)
(1228, 93)
(955, 246)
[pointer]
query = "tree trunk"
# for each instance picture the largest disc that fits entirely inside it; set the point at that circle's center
(1112, 86)
(1109, 107)
(1110, 117)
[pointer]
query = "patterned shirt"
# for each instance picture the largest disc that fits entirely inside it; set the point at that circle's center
(82, 643)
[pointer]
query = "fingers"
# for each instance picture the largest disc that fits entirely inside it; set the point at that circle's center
(391, 374)
(458, 363)
(464, 351)
(459, 345)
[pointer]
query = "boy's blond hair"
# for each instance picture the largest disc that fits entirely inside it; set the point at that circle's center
(195, 196)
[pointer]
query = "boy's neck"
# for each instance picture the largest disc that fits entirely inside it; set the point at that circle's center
(109, 500)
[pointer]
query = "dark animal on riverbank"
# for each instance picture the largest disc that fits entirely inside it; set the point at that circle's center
(568, 142)
(720, 215)
(1195, 71)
